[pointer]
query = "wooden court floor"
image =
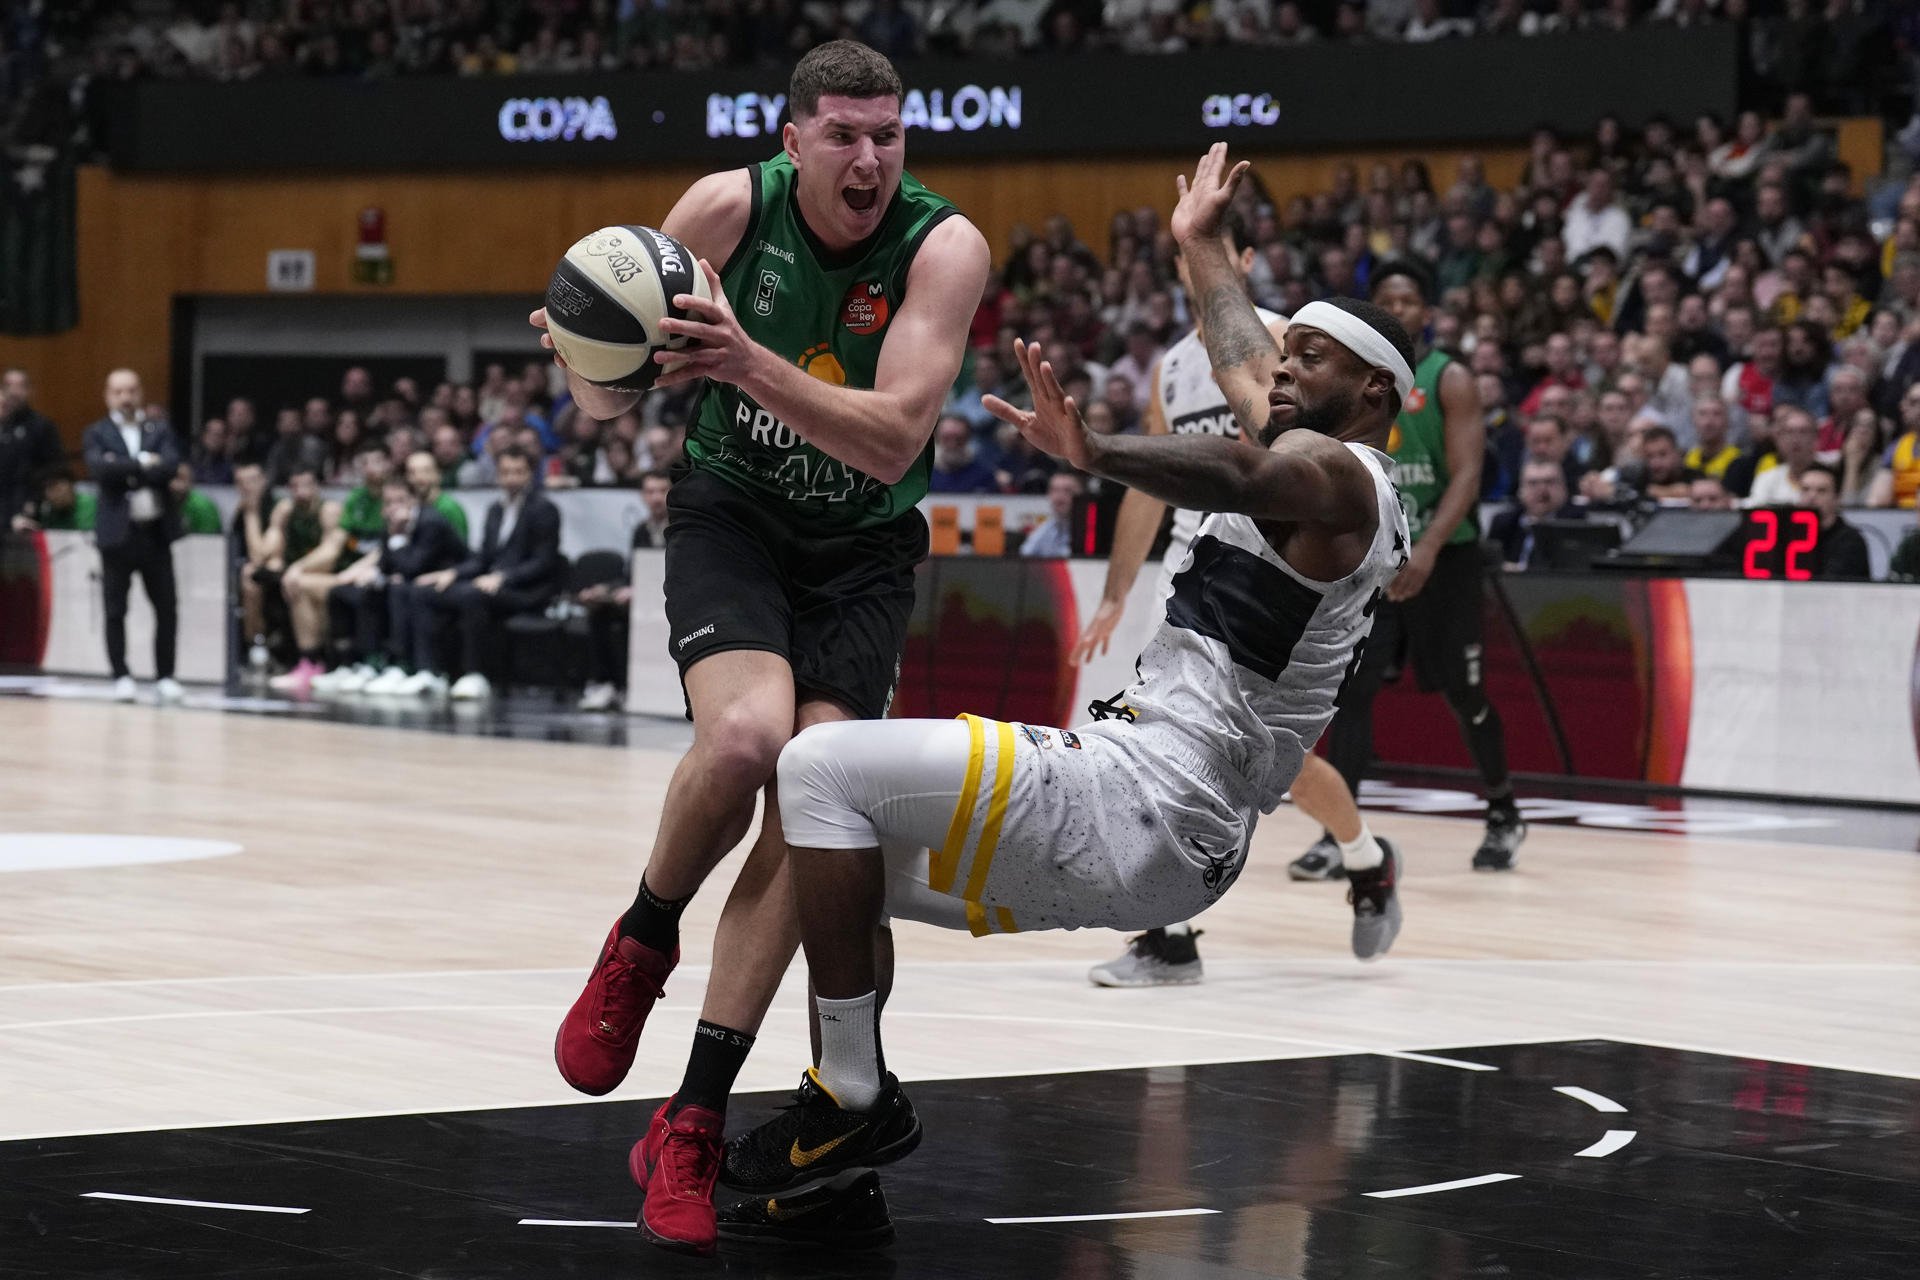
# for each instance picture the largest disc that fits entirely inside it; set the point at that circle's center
(396, 921)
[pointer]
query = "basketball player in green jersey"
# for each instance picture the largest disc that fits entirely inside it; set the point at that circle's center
(1432, 613)
(839, 319)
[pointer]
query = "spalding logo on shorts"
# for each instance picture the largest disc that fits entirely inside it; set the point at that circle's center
(864, 309)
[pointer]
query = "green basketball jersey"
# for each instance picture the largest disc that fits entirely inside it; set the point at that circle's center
(1419, 449)
(827, 313)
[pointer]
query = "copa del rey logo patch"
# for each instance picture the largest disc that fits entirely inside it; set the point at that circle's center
(1416, 400)
(864, 309)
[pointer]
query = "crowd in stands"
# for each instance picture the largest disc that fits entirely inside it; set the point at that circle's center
(1849, 53)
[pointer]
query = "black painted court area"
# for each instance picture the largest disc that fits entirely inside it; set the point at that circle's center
(1737, 1168)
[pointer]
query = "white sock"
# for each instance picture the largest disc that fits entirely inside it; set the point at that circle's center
(1179, 930)
(850, 1050)
(1363, 853)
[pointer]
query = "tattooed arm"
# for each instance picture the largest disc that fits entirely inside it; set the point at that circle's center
(1242, 351)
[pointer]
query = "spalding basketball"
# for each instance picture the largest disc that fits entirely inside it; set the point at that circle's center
(607, 298)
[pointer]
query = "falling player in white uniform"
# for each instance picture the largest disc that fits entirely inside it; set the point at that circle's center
(1185, 399)
(1144, 818)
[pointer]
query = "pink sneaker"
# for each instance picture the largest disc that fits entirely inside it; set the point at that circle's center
(299, 681)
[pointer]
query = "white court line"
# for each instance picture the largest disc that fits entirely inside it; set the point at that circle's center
(189, 1014)
(563, 1222)
(1615, 1139)
(1432, 1187)
(191, 1204)
(1592, 1099)
(1103, 1217)
(1330, 1046)
(1228, 967)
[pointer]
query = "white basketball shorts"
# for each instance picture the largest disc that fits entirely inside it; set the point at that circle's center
(997, 828)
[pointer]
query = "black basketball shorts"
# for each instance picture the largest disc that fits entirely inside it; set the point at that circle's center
(836, 607)
(1438, 631)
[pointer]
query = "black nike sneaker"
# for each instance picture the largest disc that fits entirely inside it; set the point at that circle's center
(1499, 846)
(814, 1137)
(1376, 906)
(848, 1212)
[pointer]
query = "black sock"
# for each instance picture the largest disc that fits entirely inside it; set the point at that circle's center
(314, 656)
(1501, 809)
(718, 1054)
(654, 921)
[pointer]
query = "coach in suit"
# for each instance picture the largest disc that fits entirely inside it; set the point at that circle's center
(133, 460)
(516, 570)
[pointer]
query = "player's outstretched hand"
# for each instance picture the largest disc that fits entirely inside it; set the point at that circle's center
(1097, 635)
(1054, 425)
(721, 348)
(1203, 202)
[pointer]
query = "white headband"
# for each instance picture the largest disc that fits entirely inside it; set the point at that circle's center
(1359, 337)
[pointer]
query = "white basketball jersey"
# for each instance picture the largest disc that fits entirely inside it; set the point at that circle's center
(1193, 404)
(1251, 654)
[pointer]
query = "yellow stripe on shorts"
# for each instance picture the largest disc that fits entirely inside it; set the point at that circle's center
(946, 860)
(977, 920)
(996, 814)
(1005, 918)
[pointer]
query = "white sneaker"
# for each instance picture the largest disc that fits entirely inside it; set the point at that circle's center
(387, 683)
(429, 684)
(355, 678)
(471, 687)
(329, 681)
(597, 697)
(169, 691)
(124, 689)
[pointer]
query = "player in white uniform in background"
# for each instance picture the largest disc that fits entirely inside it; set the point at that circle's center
(1145, 817)
(1186, 400)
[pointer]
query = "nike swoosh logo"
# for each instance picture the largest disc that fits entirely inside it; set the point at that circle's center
(801, 1157)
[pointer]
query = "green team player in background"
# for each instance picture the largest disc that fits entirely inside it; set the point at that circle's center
(838, 323)
(1431, 616)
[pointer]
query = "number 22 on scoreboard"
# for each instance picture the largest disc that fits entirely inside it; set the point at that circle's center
(1763, 543)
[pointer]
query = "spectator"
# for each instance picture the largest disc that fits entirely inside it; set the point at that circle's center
(1803, 375)
(243, 431)
(371, 605)
(1841, 553)
(516, 570)
(343, 448)
(132, 460)
(1798, 439)
(423, 474)
(1712, 452)
(29, 444)
(294, 448)
(1054, 535)
(957, 464)
(1860, 456)
(1550, 439)
(1562, 370)
(1543, 496)
(1708, 493)
(59, 506)
(1596, 219)
(213, 453)
(1749, 385)
(1661, 472)
(663, 447)
(1136, 364)
(609, 605)
(1846, 398)
(197, 512)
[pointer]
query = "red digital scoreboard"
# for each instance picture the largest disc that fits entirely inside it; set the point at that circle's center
(1778, 542)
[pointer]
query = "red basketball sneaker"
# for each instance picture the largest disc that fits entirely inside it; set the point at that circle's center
(596, 1042)
(676, 1164)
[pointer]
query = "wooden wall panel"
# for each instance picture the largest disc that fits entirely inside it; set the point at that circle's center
(145, 240)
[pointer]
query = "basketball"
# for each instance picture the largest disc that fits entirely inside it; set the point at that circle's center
(607, 298)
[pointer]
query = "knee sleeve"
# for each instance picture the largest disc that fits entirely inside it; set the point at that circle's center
(817, 808)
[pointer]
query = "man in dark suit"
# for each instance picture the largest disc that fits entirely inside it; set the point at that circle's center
(372, 604)
(29, 446)
(516, 570)
(133, 459)
(1543, 496)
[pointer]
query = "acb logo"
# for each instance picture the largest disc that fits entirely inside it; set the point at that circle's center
(864, 309)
